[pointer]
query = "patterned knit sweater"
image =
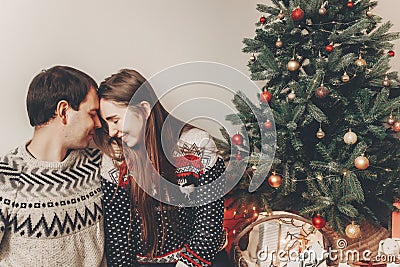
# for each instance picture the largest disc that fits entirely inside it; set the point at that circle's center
(199, 234)
(50, 212)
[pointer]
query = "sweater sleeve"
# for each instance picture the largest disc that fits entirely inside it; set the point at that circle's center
(208, 232)
(9, 183)
(205, 240)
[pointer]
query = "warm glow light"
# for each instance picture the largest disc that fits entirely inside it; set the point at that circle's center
(254, 208)
(256, 214)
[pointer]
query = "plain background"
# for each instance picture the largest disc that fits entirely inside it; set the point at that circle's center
(100, 37)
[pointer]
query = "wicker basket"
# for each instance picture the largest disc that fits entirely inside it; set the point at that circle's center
(371, 234)
(369, 240)
(240, 244)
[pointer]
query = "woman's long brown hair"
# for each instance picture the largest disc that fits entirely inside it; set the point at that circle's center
(120, 88)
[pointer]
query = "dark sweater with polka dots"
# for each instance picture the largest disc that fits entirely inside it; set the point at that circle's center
(194, 241)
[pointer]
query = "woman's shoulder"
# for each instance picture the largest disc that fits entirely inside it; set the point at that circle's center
(199, 143)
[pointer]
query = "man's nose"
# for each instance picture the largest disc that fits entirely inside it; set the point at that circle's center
(97, 122)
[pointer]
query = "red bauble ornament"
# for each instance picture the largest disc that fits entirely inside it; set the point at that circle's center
(238, 156)
(237, 139)
(391, 53)
(268, 124)
(265, 97)
(275, 180)
(396, 126)
(329, 48)
(321, 92)
(297, 14)
(263, 20)
(350, 4)
(318, 221)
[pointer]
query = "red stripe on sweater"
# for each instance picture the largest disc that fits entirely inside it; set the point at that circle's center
(189, 259)
(197, 256)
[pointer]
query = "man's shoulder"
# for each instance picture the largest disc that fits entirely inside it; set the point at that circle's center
(93, 154)
(11, 160)
(11, 164)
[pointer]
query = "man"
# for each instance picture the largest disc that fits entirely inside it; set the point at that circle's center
(50, 192)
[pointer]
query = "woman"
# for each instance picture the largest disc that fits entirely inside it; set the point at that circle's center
(140, 227)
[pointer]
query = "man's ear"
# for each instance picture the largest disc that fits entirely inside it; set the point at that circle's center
(147, 108)
(61, 110)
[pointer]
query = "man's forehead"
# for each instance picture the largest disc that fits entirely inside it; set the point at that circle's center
(91, 100)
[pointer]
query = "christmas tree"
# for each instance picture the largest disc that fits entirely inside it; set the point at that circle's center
(327, 82)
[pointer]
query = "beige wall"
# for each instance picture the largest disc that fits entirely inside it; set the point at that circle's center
(100, 37)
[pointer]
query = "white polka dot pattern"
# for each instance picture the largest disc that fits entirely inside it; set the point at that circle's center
(194, 242)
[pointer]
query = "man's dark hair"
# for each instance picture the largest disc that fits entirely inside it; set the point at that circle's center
(53, 85)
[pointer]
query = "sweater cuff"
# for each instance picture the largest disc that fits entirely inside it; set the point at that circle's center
(192, 259)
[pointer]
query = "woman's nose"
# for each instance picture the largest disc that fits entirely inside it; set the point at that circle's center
(112, 132)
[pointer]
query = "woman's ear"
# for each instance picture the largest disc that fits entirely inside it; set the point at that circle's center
(61, 110)
(147, 108)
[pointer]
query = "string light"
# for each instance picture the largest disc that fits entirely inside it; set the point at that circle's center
(338, 23)
(345, 173)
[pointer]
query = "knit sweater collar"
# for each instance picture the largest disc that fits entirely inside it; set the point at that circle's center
(33, 162)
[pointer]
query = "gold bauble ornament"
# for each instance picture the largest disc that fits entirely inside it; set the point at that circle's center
(391, 120)
(279, 43)
(293, 65)
(386, 82)
(350, 138)
(252, 58)
(322, 11)
(275, 180)
(361, 162)
(345, 78)
(369, 13)
(291, 96)
(320, 134)
(353, 230)
(360, 62)
(396, 126)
